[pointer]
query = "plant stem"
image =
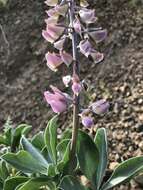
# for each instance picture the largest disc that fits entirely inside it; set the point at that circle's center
(75, 71)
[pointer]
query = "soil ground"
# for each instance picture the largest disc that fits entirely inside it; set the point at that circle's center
(24, 75)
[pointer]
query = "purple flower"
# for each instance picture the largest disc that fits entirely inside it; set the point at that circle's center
(87, 15)
(77, 25)
(98, 35)
(87, 121)
(76, 86)
(52, 32)
(66, 58)
(100, 107)
(57, 100)
(85, 47)
(97, 56)
(53, 60)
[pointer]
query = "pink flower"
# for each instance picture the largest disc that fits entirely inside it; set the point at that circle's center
(77, 25)
(87, 15)
(99, 35)
(57, 10)
(51, 20)
(87, 121)
(97, 56)
(60, 43)
(76, 86)
(52, 32)
(53, 60)
(61, 9)
(57, 100)
(85, 47)
(100, 107)
(51, 3)
(66, 57)
(47, 36)
(55, 31)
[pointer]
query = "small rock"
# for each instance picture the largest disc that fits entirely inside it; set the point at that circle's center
(113, 165)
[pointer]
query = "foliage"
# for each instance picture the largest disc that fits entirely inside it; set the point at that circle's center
(44, 161)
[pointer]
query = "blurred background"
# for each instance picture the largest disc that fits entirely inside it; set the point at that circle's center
(24, 75)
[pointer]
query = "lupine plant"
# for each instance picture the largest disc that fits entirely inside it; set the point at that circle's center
(47, 161)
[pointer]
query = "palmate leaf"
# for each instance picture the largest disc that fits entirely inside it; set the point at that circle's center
(25, 162)
(101, 144)
(124, 172)
(71, 183)
(13, 182)
(50, 137)
(88, 157)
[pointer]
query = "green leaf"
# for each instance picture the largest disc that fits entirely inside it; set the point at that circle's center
(4, 173)
(24, 162)
(38, 140)
(124, 172)
(34, 152)
(101, 144)
(3, 140)
(36, 183)
(17, 134)
(13, 182)
(88, 157)
(62, 146)
(65, 155)
(71, 183)
(50, 137)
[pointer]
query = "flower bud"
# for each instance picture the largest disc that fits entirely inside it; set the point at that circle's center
(77, 25)
(66, 80)
(87, 121)
(100, 107)
(57, 100)
(76, 86)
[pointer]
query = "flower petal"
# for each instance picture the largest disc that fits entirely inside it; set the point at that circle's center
(97, 56)
(87, 15)
(51, 3)
(60, 43)
(47, 36)
(53, 61)
(85, 47)
(87, 121)
(66, 57)
(100, 107)
(99, 35)
(77, 25)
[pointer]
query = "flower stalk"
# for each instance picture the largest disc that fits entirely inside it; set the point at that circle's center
(75, 72)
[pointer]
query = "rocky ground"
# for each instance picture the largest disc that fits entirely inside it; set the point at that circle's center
(24, 75)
